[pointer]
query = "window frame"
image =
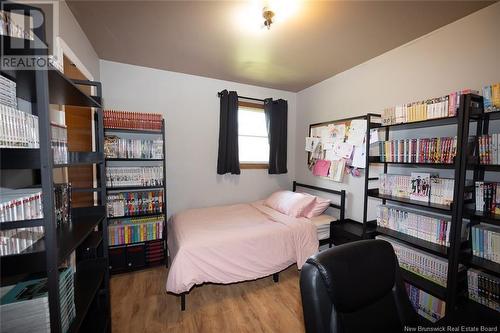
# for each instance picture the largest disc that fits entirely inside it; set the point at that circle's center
(259, 108)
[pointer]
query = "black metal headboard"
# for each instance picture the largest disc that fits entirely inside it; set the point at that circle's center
(340, 207)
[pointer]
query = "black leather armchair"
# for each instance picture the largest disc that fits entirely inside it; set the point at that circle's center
(355, 287)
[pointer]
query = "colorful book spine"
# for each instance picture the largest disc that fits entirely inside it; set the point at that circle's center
(489, 149)
(440, 107)
(116, 147)
(424, 264)
(18, 129)
(135, 230)
(426, 305)
(134, 176)
(487, 197)
(135, 203)
(422, 150)
(429, 227)
(491, 98)
(484, 288)
(132, 120)
(486, 242)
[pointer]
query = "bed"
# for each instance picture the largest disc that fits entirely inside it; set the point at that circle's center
(228, 244)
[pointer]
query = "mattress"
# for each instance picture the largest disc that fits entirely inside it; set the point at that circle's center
(322, 223)
(227, 244)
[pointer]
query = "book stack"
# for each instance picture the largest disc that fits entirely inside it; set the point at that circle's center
(395, 185)
(134, 203)
(429, 227)
(423, 150)
(486, 242)
(20, 204)
(59, 143)
(8, 95)
(134, 230)
(134, 176)
(491, 98)
(426, 305)
(488, 197)
(132, 120)
(25, 306)
(15, 241)
(442, 190)
(489, 149)
(18, 129)
(426, 265)
(62, 202)
(484, 288)
(116, 147)
(441, 107)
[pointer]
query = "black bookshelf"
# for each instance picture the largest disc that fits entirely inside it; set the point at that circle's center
(476, 217)
(135, 256)
(470, 105)
(44, 257)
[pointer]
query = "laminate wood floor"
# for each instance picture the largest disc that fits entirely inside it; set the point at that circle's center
(140, 304)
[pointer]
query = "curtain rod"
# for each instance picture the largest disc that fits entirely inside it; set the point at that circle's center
(243, 97)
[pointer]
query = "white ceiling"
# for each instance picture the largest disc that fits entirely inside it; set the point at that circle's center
(225, 40)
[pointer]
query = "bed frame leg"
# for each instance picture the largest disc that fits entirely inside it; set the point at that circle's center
(276, 277)
(183, 301)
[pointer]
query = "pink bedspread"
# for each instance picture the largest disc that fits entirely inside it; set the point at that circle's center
(227, 244)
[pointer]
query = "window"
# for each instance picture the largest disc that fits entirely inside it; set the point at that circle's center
(253, 145)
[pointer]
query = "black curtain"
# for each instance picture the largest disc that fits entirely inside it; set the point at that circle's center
(228, 159)
(277, 120)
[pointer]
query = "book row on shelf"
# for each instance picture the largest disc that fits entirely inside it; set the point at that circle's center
(135, 203)
(489, 149)
(491, 98)
(427, 265)
(9, 27)
(419, 186)
(426, 305)
(487, 197)
(26, 204)
(116, 147)
(483, 288)
(20, 204)
(15, 241)
(486, 242)
(59, 143)
(134, 176)
(433, 228)
(422, 150)
(8, 94)
(18, 129)
(134, 230)
(132, 120)
(25, 306)
(440, 107)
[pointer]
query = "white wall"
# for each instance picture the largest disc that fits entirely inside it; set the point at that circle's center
(463, 54)
(81, 51)
(190, 107)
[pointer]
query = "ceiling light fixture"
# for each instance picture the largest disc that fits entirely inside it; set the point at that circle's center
(268, 15)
